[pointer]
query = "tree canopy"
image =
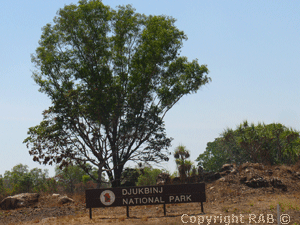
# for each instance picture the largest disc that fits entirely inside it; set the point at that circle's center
(112, 75)
(269, 144)
(21, 179)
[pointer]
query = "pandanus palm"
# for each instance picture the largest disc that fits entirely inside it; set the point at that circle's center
(184, 166)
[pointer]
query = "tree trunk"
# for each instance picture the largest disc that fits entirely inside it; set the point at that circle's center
(99, 181)
(117, 178)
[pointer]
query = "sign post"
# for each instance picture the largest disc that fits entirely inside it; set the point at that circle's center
(145, 195)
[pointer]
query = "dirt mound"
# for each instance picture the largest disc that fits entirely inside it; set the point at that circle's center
(248, 190)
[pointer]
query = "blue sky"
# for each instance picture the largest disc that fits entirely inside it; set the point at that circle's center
(251, 48)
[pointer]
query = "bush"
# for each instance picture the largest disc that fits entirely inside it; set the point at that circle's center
(268, 144)
(148, 176)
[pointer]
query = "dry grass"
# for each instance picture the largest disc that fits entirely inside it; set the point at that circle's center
(151, 215)
(145, 218)
(122, 218)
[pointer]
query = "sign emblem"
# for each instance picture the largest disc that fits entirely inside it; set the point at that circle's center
(107, 197)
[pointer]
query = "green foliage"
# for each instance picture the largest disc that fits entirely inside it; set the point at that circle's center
(111, 75)
(214, 156)
(85, 179)
(68, 177)
(51, 185)
(26, 182)
(193, 171)
(20, 179)
(268, 144)
(148, 176)
(130, 176)
(174, 174)
(39, 179)
(73, 178)
(184, 166)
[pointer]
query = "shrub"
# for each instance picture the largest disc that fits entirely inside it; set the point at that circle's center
(148, 177)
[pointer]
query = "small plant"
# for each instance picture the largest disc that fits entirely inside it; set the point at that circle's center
(249, 211)
(281, 205)
(225, 209)
(251, 204)
(290, 206)
(271, 207)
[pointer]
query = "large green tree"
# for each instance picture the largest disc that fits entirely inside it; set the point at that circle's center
(112, 75)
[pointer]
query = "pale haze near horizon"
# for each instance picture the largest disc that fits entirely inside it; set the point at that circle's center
(250, 47)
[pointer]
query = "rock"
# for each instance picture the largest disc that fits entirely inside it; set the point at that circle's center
(160, 182)
(257, 166)
(245, 165)
(224, 173)
(64, 200)
(257, 182)
(20, 200)
(227, 167)
(277, 183)
(55, 195)
(234, 171)
(163, 178)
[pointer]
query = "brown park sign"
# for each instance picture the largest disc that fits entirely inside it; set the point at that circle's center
(145, 195)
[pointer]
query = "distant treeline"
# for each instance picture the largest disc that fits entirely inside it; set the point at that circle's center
(68, 180)
(21, 180)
